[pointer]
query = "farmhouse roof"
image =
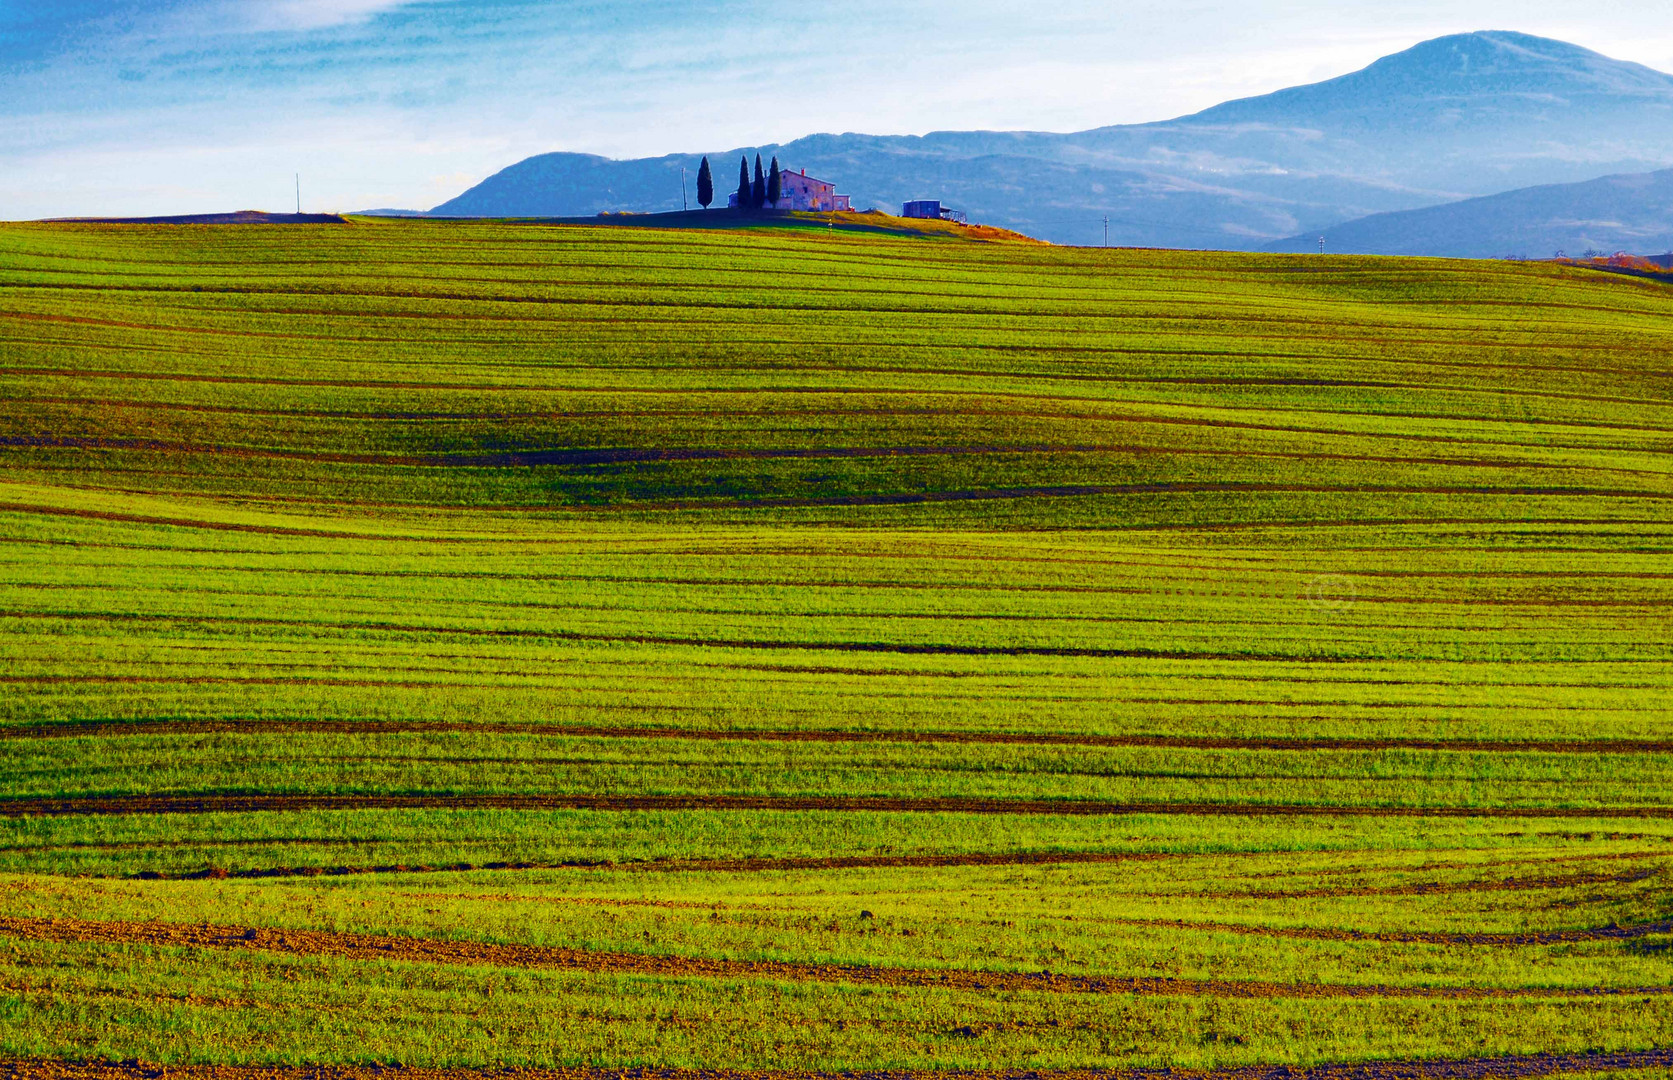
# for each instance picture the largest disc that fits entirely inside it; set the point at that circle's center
(804, 176)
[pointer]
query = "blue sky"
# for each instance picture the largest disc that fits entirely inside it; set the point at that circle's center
(175, 106)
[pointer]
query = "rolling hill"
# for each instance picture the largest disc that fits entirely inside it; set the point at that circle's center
(1632, 213)
(438, 651)
(1460, 116)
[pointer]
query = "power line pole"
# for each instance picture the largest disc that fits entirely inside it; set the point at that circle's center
(1321, 245)
(298, 194)
(1106, 230)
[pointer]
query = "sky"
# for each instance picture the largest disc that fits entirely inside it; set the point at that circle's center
(124, 107)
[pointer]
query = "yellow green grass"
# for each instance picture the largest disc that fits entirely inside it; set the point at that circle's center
(449, 513)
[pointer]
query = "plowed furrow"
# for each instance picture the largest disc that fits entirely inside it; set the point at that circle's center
(219, 803)
(1418, 937)
(706, 866)
(1519, 1067)
(1433, 888)
(587, 456)
(999, 738)
(852, 862)
(729, 644)
(370, 947)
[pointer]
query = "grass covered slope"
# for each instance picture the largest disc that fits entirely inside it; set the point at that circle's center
(873, 222)
(1180, 659)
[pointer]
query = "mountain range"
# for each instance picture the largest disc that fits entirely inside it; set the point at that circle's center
(1632, 213)
(1450, 119)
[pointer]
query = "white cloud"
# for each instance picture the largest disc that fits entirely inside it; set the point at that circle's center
(300, 15)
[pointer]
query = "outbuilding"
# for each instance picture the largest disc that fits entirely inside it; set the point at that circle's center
(931, 208)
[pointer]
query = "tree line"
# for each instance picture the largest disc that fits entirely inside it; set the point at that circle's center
(753, 194)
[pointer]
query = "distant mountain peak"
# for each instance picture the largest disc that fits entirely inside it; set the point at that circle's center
(1454, 71)
(1489, 59)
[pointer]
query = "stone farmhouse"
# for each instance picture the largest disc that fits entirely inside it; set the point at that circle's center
(799, 191)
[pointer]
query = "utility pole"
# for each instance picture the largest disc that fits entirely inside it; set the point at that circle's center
(1321, 245)
(684, 206)
(298, 194)
(1106, 230)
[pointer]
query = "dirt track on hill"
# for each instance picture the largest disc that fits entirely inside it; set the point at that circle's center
(1004, 738)
(233, 804)
(711, 866)
(1418, 937)
(1522, 1067)
(374, 947)
(1432, 888)
(862, 862)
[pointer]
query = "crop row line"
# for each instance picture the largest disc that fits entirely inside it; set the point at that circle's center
(244, 802)
(390, 947)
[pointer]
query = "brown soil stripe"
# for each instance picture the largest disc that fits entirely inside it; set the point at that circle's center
(708, 866)
(219, 803)
(534, 458)
(917, 498)
(1435, 888)
(856, 862)
(1418, 937)
(111, 729)
(1075, 491)
(692, 299)
(1238, 576)
(354, 946)
(894, 391)
(195, 523)
(905, 648)
(1520, 1067)
(977, 406)
(740, 644)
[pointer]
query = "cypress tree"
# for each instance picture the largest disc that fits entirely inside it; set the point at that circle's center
(759, 191)
(705, 185)
(775, 183)
(746, 194)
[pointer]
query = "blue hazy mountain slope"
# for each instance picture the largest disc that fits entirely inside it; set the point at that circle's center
(1631, 213)
(1475, 113)
(1459, 116)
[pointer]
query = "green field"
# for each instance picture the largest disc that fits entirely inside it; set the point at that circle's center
(471, 645)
